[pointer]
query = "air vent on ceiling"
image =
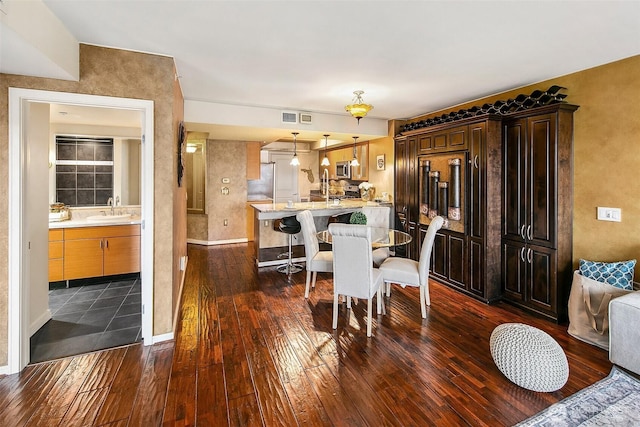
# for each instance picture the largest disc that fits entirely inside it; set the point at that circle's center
(289, 117)
(305, 118)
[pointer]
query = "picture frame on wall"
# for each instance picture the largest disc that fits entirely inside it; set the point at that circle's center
(380, 162)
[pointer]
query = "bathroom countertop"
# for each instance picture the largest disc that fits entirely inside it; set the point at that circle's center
(75, 223)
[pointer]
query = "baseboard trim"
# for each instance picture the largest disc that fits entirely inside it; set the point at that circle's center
(39, 322)
(161, 338)
(216, 242)
(177, 310)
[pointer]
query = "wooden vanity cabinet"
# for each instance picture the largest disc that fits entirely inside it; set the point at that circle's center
(101, 251)
(56, 255)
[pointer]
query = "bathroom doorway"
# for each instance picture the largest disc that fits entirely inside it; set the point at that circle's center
(25, 246)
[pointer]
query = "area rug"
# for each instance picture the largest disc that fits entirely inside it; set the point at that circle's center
(612, 401)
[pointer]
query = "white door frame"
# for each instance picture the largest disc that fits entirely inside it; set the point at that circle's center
(18, 314)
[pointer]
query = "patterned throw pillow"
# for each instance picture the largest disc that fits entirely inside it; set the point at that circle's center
(618, 274)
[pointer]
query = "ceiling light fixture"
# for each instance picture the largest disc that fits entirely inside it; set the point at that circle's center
(354, 162)
(358, 109)
(294, 160)
(325, 161)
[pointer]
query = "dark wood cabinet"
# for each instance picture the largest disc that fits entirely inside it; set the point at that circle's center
(537, 209)
(466, 258)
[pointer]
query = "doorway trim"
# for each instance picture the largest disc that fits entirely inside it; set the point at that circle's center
(17, 307)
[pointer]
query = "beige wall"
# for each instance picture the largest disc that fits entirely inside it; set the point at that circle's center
(179, 202)
(606, 156)
(124, 74)
(382, 180)
(226, 159)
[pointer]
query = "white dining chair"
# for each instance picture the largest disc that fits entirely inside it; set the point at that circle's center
(353, 271)
(315, 259)
(407, 272)
(378, 216)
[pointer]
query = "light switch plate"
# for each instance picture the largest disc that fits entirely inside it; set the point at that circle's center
(609, 214)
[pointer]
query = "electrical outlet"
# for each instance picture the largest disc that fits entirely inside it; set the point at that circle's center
(609, 214)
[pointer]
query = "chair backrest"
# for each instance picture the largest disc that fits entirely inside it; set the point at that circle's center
(425, 251)
(377, 216)
(308, 228)
(352, 259)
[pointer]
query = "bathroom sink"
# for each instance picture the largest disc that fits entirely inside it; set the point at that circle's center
(108, 218)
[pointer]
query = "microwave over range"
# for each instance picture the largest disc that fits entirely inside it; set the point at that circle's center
(343, 170)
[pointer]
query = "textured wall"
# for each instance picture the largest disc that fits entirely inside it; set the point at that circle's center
(124, 74)
(606, 156)
(226, 159)
(179, 205)
(382, 180)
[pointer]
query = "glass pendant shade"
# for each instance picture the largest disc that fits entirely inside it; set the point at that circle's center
(358, 109)
(325, 161)
(294, 160)
(355, 162)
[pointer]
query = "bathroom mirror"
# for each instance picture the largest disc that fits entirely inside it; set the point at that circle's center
(196, 172)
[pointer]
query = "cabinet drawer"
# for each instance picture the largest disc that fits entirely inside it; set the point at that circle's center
(98, 232)
(56, 250)
(55, 270)
(56, 234)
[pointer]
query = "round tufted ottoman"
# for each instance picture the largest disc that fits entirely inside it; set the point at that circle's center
(529, 357)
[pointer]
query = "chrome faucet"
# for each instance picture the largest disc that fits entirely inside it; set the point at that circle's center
(110, 203)
(325, 179)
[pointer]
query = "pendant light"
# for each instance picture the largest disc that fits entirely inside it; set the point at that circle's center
(358, 109)
(325, 161)
(294, 160)
(354, 162)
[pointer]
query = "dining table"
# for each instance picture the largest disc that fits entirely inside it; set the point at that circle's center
(381, 237)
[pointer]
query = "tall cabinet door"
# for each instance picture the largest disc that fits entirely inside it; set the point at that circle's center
(477, 180)
(541, 177)
(514, 182)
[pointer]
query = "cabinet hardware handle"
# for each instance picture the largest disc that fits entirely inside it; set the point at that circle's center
(522, 231)
(522, 254)
(475, 161)
(529, 255)
(100, 243)
(106, 244)
(529, 232)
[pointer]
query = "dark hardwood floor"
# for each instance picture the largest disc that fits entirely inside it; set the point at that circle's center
(250, 350)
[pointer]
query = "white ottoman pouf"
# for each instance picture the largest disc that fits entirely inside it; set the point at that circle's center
(529, 357)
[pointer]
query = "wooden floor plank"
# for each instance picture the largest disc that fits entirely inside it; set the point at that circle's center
(59, 399)
(211, 404)
(151, 395)
(249, 349)
(118, 404)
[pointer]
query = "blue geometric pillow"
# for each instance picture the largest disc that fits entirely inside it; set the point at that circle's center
(618, 274)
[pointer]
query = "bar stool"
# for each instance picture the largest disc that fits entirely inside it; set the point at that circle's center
(291, 226)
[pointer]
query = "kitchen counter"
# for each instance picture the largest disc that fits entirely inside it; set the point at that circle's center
(83, 222)
(280, 210)
(269, 242)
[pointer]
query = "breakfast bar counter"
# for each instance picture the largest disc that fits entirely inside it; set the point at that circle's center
(269, 242)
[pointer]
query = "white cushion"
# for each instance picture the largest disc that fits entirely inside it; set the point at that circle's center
(403, 271)
(529, 357)
(379, 255)
(322, 261)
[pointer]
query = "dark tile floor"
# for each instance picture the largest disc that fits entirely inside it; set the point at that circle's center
(90, 315)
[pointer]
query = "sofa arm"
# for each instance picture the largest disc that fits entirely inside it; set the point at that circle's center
(624, 334)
